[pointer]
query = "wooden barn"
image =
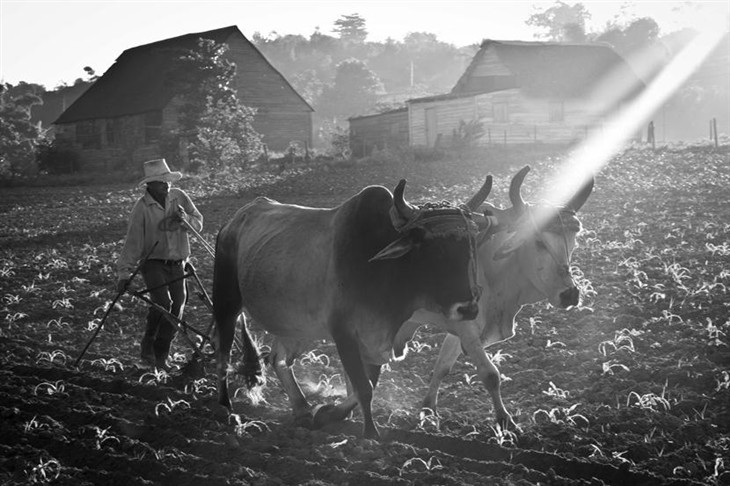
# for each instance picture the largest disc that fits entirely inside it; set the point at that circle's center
(524, 92)
(383, 130)
(118, 122)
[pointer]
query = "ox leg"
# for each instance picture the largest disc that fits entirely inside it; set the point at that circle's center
(373, 374)
(448, 354)
(362, 384)
(489, 376)
(227, 305)
(282, 359)
(226, 329)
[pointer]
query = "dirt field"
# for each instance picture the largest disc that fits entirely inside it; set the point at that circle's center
(633, 387)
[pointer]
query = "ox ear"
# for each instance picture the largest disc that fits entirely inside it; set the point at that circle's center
(509, 246)
(494, 220)
(397, 249)
(517, 235)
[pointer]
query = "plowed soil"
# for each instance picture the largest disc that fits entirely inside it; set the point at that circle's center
(631, 387)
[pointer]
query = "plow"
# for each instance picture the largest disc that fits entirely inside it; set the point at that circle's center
(197, 340)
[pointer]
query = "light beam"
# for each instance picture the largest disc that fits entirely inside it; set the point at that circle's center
(598, 148)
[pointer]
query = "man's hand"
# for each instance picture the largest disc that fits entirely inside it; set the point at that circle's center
(123, 284)
(181, 216)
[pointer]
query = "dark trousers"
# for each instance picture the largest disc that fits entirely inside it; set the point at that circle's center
(159, 331)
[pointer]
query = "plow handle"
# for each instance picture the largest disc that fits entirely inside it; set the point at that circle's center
(111, 306)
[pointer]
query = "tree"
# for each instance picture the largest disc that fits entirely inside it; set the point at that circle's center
(91, 73)
(562, 22)
(351, 28)
(215, 129)
(308, 84)
(638, 34)
(574, 33)
(19, 137)
(225, 137)
(354, 91)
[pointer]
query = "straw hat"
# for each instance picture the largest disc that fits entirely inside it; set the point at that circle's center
(157, 170)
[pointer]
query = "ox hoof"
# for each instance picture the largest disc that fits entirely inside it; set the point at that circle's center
(303, 418)
(506, 423)
(221, 412)
(428, 411)
(327, 414)
(371, 434)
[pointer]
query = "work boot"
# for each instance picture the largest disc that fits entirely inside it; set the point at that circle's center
(147, 350)
(162, 351)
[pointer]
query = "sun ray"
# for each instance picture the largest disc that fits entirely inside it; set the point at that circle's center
(596, 151)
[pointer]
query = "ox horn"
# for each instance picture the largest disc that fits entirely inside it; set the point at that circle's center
(577, 201)
(404, 209)
(478, 198)
(515, 195)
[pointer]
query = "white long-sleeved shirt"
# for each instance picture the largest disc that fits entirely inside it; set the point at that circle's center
(145, 229)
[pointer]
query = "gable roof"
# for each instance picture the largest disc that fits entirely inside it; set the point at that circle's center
(547, 69)
(136, 82)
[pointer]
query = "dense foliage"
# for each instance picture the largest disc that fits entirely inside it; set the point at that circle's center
(19, 136)
(215, 128)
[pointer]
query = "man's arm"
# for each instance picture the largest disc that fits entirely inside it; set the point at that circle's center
(133, 243)
(192, 215)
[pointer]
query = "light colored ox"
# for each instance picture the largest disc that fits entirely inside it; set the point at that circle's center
(354, 273)
(523, 265)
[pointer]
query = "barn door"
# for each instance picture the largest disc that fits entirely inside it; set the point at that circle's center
(431, 126)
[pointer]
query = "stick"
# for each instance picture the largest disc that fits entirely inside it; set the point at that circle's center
(111, 306)
(200, 238)
(180, 324)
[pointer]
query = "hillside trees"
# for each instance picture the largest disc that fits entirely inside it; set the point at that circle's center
(351, 28)
(354, 91)
(215, 129)
(561, 22)
(321, 69)
(628, 39)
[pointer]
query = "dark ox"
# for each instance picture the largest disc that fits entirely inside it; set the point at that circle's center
(354, 273)
(523, 265)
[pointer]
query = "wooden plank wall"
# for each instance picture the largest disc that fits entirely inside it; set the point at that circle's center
(378, 131)
(528, 119)
(449, 114)
(128, 150)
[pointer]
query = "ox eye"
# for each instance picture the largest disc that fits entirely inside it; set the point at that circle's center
(541, 244)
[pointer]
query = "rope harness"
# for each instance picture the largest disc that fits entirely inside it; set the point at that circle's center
(444, 220)
(573, 224)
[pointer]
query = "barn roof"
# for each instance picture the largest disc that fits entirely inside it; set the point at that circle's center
(550, 69)
(394, 111)
(136, 82)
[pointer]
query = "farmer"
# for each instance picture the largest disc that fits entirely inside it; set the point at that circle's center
(157, 218)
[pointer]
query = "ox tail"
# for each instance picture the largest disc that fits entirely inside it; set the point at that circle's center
(227, 307)
(250, 367)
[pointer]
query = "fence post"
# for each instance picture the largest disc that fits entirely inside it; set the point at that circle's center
(650, 135)
(714, 130)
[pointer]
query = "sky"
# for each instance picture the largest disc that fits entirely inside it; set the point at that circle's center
(49, 42)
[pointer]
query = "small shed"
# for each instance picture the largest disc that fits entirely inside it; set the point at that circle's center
(119, 121)
(527, 92)
(382, 130)
(514, 92)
